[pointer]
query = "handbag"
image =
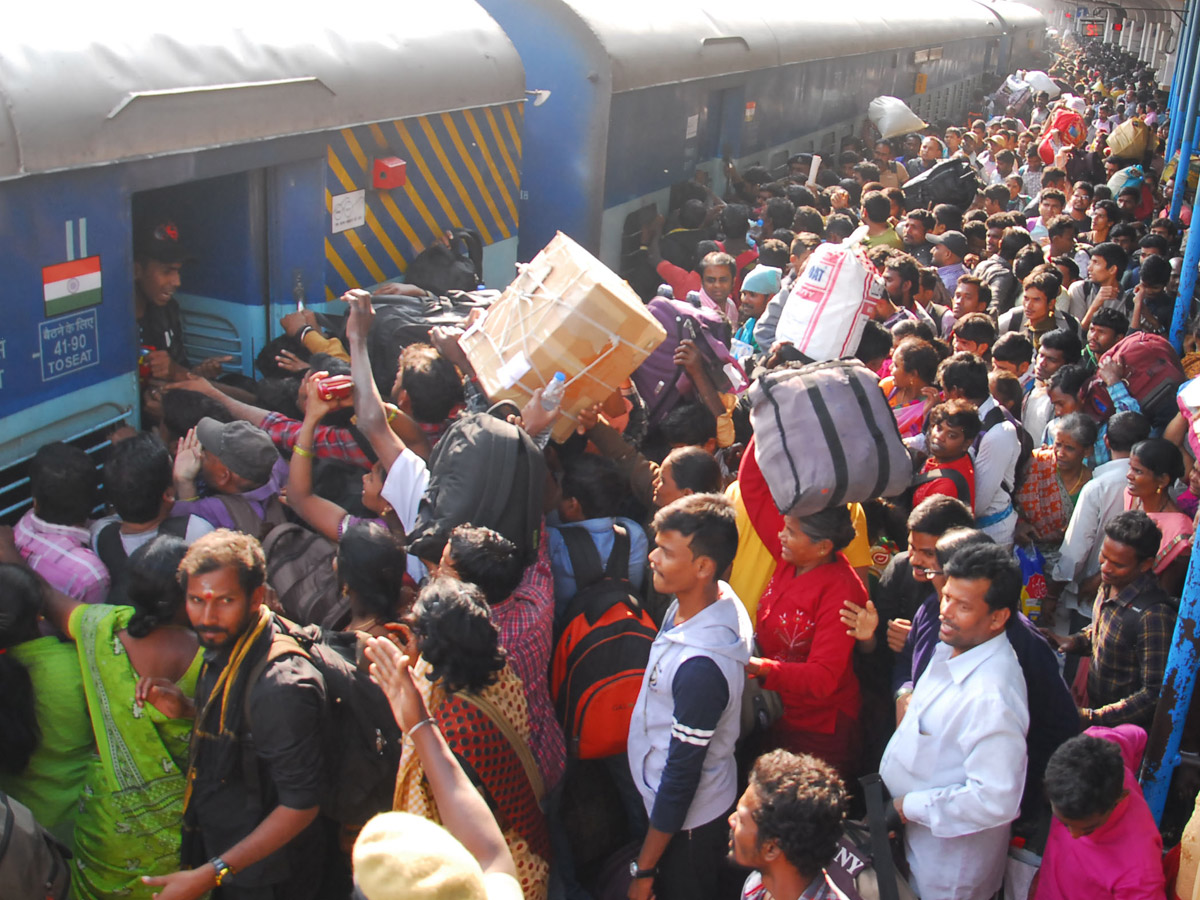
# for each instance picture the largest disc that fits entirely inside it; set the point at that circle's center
(761, 708)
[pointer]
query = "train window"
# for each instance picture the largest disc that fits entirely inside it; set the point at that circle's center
(777, 161)
(15, 497)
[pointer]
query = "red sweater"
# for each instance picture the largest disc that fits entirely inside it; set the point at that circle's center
(807, 655)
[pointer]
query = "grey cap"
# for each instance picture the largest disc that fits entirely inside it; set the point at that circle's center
(244, 449)
(954, 241)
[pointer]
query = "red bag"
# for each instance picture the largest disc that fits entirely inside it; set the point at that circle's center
(1152, 372)
(1065, 128)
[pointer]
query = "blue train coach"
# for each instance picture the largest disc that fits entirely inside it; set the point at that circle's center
(294, 154)
(642, 96)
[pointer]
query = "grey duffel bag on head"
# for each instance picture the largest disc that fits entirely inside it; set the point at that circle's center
(824, 435)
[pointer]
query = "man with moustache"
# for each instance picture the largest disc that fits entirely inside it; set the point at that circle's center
(786, 828)
(247, 834)
(956, 764)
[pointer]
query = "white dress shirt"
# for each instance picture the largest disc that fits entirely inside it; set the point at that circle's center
(1101, 499)
(958, 758)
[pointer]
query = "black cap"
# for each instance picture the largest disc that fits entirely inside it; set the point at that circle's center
(160, 241)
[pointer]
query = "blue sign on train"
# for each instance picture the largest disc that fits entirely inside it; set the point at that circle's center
(68, 344)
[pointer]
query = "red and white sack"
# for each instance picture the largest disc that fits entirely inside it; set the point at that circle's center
(829, 305)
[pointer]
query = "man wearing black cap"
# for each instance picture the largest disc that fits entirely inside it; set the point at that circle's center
(158, 258)
(949, 249)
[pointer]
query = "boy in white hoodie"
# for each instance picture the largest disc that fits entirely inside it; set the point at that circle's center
(686, 718)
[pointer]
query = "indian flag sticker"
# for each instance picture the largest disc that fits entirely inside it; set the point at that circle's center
(71, 285)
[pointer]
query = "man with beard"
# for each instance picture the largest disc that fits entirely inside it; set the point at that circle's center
(787, 826)
(251, 835)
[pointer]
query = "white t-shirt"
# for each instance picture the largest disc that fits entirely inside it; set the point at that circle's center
(404, 487)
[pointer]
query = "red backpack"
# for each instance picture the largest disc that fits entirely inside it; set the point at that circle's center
(1152, 372)
(601, 653)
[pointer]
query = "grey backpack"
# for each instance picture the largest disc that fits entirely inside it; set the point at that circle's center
(824, 435)
(32, 862)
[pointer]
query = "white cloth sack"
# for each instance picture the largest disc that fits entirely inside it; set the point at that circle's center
(830, 303)
(891, 117)
(1040, 81)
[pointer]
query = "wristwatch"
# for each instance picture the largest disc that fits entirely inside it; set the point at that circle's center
(635, 872)
(222, 868)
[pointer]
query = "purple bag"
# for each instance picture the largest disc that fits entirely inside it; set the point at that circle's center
(662, 384)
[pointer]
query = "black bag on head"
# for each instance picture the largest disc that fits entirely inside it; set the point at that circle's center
(32, 862)
(401, 321)
(440, 269)
(487, 472)
(952, 181)
(361, 738)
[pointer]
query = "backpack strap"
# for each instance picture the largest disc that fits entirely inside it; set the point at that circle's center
(586, 565)
(282, 645)
(519, 746)
(618, 558)
(176, 526)
(109, 547)
(961, 488)
(245, 519)
(881, 849)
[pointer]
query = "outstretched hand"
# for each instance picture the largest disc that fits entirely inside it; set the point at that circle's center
(391, 670)
(860, 621)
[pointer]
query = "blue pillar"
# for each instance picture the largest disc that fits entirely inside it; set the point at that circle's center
(1181, 79)
(1162, 748)
(1187, 125)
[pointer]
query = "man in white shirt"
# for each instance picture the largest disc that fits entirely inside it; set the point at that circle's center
(956, 764)
(1101, 499)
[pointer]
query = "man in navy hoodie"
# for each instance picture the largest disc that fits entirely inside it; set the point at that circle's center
(686, 718)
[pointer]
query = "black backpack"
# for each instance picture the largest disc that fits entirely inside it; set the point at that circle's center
(361, 737)
(112, 553)
(440, 269)
(32, 861)
(486, 472)
(953, 181)
(600, 650)
(299, 563)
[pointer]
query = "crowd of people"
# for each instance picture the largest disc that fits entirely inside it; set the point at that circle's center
(992, 642)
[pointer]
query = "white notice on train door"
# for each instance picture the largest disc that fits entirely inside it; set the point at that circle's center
(349, 211)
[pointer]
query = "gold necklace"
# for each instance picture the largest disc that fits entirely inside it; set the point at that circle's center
(1078, 481)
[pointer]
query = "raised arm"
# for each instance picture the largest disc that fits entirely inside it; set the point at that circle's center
(372, 416)
(462, 808)
(323, 515)
(239, 410)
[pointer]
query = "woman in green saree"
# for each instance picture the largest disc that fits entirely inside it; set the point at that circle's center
(131, 807)
(46, 744)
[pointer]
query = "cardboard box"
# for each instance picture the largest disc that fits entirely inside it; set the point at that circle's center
(565, 312)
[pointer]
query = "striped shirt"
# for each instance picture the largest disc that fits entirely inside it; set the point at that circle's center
(63, 555)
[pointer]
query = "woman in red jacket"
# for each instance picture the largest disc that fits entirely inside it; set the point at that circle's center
(806, 654)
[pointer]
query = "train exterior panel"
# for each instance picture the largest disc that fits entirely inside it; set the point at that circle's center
(636, 106)
(257, 143)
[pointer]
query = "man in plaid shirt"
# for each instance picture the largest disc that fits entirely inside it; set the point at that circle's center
(1130, 634)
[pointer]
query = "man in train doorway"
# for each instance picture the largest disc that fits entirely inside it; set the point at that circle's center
(158, 258)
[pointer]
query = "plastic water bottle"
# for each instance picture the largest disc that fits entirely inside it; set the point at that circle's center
(553, 393)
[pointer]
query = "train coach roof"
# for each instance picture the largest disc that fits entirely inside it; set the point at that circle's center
(668, 41)
(87, 83)
(1016, 15)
